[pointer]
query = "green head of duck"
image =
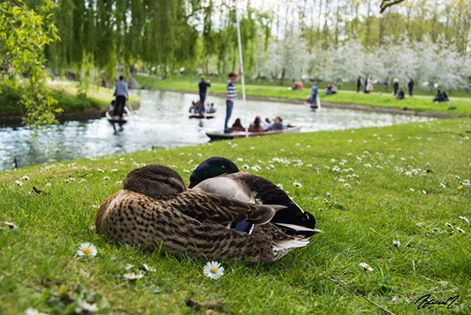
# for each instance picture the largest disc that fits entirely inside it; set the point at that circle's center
(212, 167)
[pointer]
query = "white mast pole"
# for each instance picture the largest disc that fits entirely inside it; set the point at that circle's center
(241, 59)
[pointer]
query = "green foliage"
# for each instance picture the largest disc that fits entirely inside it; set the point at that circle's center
(24, 33)
(163, 34)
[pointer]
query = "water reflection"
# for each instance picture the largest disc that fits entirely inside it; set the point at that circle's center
(162, 122)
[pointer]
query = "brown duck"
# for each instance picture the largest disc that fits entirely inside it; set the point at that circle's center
(156, 210)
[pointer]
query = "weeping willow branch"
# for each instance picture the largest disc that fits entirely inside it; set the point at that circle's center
(387, 3)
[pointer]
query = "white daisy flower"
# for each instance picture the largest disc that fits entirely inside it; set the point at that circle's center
(26, 177)
(365, 266)
(86, 249)
(213, 270)
(279, 186)
(245, 167)
(466, 182)
(48, 185)
(396, 243)
(298, 185)
(106, 178)
(19, 183)
(33, 311)
(100, 170)
(131, 276)
(460, 230)
(465, 219)
(449, 225)
(87, 307)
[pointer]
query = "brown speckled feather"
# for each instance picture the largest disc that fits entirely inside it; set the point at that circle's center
(138, 220)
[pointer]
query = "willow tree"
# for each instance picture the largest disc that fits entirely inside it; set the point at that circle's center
(24, 33)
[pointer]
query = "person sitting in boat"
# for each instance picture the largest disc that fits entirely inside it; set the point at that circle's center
(256, 125)
(211, 109)
(266, 124)
(331, 89)
(111, 107)
(195, 107)
(277, 124)
(237, 126)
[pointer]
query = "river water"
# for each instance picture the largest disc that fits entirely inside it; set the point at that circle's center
(161, 122)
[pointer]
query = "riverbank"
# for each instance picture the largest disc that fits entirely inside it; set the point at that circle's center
(75, 105)
(366, 187)
(419, 104)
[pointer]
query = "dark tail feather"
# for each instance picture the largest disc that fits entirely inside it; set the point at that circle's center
(293, 216)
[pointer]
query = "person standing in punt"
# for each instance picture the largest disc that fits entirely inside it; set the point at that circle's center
(203, 91)
(230, 98)
(121, 94)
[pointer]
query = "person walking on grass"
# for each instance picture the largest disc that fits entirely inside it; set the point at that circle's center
(410, 87)
(203, 91)
(230, 98)
(121, 94)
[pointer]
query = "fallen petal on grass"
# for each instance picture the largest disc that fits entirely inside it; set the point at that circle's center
(132, 276)
(10, 225)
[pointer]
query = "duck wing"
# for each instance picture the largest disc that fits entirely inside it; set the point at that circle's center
(208, 207)
(292, 218)
(151, 224)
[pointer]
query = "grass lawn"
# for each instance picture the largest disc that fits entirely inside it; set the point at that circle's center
(457, 105)
(99, 97)
(66, 93)
(366, 187)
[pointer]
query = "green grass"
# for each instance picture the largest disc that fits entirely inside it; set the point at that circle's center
(395, 176)
(97, 97)
(66, 93)
(457, 105)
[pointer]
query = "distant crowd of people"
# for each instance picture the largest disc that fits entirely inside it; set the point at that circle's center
(260, 125)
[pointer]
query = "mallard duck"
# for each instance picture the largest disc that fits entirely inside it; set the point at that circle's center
(155, 209)
(222, 177)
